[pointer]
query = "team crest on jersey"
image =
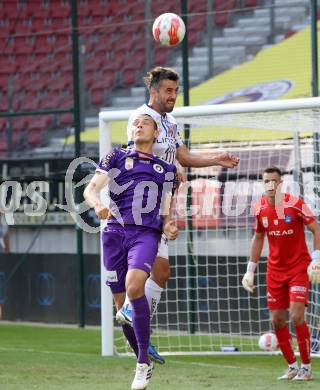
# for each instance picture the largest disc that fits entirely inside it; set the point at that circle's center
(276, 222)
(128, 163)
(288, 218)
(171, 130)
(265, 222)
(158, 168)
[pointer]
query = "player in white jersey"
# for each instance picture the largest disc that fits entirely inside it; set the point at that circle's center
(163, 86)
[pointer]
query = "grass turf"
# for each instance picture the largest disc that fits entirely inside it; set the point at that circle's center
(52, 358)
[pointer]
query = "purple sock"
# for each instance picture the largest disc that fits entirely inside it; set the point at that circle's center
(131, 337)
(141, 326)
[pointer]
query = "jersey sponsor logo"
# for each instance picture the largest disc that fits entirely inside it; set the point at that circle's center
(298, 289)
(158, 168)
(128, 163)
(112, 276)
(278, 233)
(288, 218)
(265, 222)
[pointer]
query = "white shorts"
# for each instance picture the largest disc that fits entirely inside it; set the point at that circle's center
(163, 250)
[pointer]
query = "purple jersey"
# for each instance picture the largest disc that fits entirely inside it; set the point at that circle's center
(138, 186)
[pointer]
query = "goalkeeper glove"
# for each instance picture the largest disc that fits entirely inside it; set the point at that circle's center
(248, 278)
(314, 267)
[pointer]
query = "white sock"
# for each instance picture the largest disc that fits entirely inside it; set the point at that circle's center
(153, 294)
(294, 365)
(127, 302)
(306, 366)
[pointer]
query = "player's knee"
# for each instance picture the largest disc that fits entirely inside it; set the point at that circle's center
(134, 291)
(278, 322)
(296, 319)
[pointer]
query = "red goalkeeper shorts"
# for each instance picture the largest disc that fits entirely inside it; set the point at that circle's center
(281, 290)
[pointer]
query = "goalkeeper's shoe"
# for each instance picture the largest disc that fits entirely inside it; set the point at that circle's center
(142, 376)
(304, 374)
(154, 355)
(290, 374)
(124, 315)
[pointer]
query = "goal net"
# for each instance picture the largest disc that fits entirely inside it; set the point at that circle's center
(204, 308)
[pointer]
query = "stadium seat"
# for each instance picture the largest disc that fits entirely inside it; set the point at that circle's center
(97, 96)
(22, 46)
(222, 10)
(34, 136)
(3, 144)
(60, 12)
(128, 77)
(66, 119)
(30, 101)
(160, 56)
(250, 3)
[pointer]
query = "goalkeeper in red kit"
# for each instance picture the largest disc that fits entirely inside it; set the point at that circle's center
(282, 217)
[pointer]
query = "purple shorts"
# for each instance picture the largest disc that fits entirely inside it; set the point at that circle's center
(126, 248)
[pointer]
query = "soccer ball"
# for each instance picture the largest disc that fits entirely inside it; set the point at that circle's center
(168, 29)
(268, 342)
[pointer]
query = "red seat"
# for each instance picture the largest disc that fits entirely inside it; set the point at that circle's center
(97, 96)
(6, 66)
(51, 101)
(22, 27)
(129, 77)
(3, 144)
(63, 41)
(22, 46)
(34, 136)
(43, 45)
(3, 124)
(67, 101)
(66, 119)
(222, 11)
(3, 100)
(160, 56)
(30, 101)
(250, 3)
(3, 81)
(9, 8)
(61, 11)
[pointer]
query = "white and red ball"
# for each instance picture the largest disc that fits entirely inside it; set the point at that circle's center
(268, 342)
(168, 29)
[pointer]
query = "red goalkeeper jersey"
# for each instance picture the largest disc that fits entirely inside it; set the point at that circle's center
(284, 226)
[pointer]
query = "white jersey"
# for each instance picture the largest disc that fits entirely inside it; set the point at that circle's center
(168, 140)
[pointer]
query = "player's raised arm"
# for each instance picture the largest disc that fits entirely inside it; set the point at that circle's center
(189, 159)
(91, 194)
(255, 253)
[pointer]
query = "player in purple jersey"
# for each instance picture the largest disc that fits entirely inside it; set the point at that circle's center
(141, 187)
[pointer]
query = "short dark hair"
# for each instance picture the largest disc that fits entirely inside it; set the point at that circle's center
(272, 170)
(157, 74)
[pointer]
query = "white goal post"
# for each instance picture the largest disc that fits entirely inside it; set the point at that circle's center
(207, 311)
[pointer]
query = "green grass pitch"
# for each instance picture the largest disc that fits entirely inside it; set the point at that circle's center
(57, 358)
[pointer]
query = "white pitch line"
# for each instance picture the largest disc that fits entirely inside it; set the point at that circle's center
(31, 350)
(211, 365)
